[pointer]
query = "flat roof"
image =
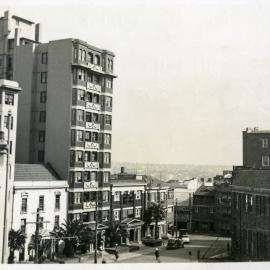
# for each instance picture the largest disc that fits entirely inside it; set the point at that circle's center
(22, 19)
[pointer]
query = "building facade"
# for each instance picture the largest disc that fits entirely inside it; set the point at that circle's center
(251, 214)
(65, 112)
(256, 148)
(203, 214)
(37, 186)
(8, 127)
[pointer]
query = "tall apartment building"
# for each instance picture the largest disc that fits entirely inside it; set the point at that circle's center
(256, 148)
(65, 114)
(8, 123)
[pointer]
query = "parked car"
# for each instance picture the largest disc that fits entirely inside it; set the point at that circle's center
(185, 238)
(175, 243)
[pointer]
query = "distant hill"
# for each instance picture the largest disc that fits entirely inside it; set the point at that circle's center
(167, 172)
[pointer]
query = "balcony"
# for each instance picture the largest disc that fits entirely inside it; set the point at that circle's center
(93, 126)
(91, 145)
(93, 87)
(89, 205)
(91, 186)
(89, 65)
(91, 165)
(92, 106)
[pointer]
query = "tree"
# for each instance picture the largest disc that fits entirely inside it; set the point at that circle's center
(74, 233)
(154, 213)
(16, 241)
(114, 234)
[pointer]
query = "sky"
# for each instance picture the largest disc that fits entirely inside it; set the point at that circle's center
(192, 75)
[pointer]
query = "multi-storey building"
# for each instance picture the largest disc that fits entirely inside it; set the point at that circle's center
(37, 186)
(183, 214)
(256, 148)
(65, 113)
(203, 214)
(8, 126)
(251, 214)
(128, 205)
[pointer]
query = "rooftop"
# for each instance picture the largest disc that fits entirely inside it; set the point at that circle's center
(256, 130)
(205, 190)
(34, 172)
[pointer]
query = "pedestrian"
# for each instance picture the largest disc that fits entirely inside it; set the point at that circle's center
(116, 252)
(157, 254)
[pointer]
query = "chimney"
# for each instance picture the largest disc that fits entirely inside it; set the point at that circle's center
(123, 170)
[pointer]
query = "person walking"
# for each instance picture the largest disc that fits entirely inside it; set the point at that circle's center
(116, 252)
(157, 254)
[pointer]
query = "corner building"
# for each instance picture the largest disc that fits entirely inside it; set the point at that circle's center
(65, 118)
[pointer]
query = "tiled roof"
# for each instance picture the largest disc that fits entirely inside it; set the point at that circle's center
(252, 178)
(34, 172)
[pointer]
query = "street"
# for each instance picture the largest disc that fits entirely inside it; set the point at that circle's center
(208, 246)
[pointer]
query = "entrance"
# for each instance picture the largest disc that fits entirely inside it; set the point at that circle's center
(131, 235)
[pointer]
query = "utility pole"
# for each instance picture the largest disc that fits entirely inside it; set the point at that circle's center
(240, 225)
(5, 232)
(36, 236)
(96, 227)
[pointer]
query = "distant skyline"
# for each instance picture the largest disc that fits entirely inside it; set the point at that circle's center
(192, 75)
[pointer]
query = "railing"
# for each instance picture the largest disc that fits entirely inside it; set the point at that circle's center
(92, 106)
(95, 67)
(93, 87)
(91, 125)
(91, 145)
(89, 205)
(91, 165)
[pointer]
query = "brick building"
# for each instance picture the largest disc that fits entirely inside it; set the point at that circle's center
(251, 214)
(203, 210)
(256, 148)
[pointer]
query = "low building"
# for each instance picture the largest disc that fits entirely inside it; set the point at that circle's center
(37, 186)
(251, 214)
(127, 205)
(203, 210)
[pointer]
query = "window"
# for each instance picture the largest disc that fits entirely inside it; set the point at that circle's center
(41, 203)
(9, 98)
(40, 156)
(107, 138)
(11, 44)
(77, 197)
(93, 176)
(108, 119)
(196, 209)
(108, 102)
(80, 94)
(42, 116)
(107, 159)
(116, 214)
(94, 156)
(116, 197)
(43, 77)
(264, 143)
(56, 222)
(87, 136)
(130, 212)
(79, 156)
(80, 115)
(105, 215)
(162, 196)
(95, 99)
(23, 225)
(78, 177)
(9, 62)
(6, 122)
(94, 137)
(76, 216)
(79, 135)
(43, 97)
(44, 58)
(105, 196)
(57, 202)
(97, 60)
(106, 176)
(90, 57)
(170, 194)
(41, 219)
(265, 161)
(41, 136)
(109, 83)
(170, 209)
(24, 205)
(138, 194)
(211, 210)
(138, 212)
(95, 118)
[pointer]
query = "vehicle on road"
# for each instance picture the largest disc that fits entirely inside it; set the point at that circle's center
(185, 238)
(175, 243)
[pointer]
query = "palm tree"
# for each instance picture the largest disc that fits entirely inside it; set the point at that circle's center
(16, 241)
(154, 213)
(114, 234)
(73, 232)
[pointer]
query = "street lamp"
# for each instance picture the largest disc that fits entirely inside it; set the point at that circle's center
(4, 148)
